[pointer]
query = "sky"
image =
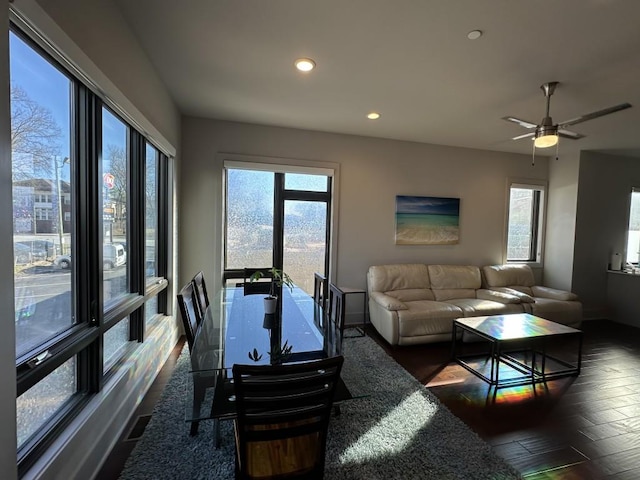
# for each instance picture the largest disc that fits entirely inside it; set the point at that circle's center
(427, 205)
(51, 88)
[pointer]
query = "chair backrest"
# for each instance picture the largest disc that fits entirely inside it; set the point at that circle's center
(282, 418)
(336, 308)
(200, 291)
(262, 286)
(189, 313)
(320, 289)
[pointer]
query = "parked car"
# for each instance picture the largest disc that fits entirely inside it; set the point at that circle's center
(40, 249)
(22, 254)
(113, 255)
(62, 261)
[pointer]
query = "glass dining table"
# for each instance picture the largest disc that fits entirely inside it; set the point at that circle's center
(235, 329)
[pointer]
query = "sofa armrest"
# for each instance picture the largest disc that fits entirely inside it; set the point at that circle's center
(387, 302)
(553, 293)
(484, 294)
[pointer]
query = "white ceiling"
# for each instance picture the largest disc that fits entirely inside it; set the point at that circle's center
(408, 59)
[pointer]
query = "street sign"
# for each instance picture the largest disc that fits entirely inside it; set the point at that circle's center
(109, 180)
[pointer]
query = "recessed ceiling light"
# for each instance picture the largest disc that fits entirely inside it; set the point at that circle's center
(474, 34)
(373, 116)
(305, 64)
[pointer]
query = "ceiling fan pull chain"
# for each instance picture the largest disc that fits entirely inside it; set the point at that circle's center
(533, 154)
(557, 147)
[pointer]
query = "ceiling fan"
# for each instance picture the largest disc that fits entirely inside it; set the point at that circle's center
(546, 133)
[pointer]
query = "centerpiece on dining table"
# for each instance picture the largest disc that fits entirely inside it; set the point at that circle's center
(278, 279)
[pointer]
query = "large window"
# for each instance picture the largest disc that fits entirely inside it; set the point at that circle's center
(114, 178)
(40, 133)
(279, 219)
(633, 236)
(525, 223)
(90, 204)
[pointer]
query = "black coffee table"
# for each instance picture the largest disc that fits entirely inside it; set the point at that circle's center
(521, 343)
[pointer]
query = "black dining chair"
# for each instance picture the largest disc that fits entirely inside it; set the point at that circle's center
(200, 291)
(190, 313)
(262, 286)
(336, 313)
(282, 418)
(320, 288)
(191, 322)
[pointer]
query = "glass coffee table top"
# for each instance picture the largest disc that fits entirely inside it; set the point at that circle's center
(516, 349)
(514, 326)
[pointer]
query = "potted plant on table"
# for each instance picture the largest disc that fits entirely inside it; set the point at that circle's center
(278, 279)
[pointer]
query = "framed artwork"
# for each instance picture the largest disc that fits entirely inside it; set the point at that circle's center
(427, 220)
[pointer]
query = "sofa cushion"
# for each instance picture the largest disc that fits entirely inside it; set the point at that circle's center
(508, 275)
(411, 294)
(525, 291)
(426, 317)
(496, 296)
(385, 278)
(473, 307)
(453, 293)
(524, 298)
(444, 277)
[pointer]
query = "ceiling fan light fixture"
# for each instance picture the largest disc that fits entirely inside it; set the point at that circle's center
(546, 136)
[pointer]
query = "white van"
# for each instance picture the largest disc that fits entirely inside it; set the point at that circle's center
(113, 255)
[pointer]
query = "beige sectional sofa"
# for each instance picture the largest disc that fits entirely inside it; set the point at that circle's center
(417, 303)
(555, 305)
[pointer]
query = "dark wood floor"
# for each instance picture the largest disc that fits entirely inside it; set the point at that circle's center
(585, 427)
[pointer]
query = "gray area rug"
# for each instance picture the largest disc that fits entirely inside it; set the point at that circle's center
(398, 431)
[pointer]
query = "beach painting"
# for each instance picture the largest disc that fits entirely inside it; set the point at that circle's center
(427, 220)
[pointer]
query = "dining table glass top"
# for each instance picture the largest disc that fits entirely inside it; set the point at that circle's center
(235, 329)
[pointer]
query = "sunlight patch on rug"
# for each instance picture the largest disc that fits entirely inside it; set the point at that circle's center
(394, 432)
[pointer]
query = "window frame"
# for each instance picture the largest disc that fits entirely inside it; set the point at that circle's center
(538, 223)
(627, 246)
(281, 195)
(84, 340)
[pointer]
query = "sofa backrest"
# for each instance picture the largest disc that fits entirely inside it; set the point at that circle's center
(512, 275)
(449, 282)
(406, 282)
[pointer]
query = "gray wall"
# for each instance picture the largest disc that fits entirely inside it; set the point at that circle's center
(372, 173)
(601, 229)
(107, 50)
(95, 37)
(561, 221)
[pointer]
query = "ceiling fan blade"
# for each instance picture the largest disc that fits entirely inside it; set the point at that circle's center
(592, 115)
(526, 135)
(569, 134)
(522, 123)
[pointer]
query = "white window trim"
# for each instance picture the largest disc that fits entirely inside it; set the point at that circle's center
(543, 186)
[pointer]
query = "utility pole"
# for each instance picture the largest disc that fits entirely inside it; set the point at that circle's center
(60, 202)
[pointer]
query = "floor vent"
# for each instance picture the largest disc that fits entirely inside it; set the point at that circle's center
(138, 428)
